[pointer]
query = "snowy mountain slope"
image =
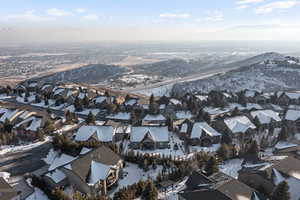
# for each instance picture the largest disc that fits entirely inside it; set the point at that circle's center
(257, 59)
(269, 75)
(86, 74)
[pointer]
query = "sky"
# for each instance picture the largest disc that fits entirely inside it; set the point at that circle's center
(148, 20)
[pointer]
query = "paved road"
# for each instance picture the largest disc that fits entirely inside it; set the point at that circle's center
(60, 113)
(178, 80)
(20, 163)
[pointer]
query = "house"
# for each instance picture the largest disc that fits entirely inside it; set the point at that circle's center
(30, 125)
(292, 118)
(239, 127)
(149, 137)
(183, 115)
(130, 102)
(287, 98)
(204, 135)
(120, 117)
(154, 119)
(267, 177)
(266, 119)
(32, 86)
(7, 192)
(218, 186)
(122, 131)
(250, 95)
(46, 88)
(92, 172)
(101, 101)
(95, 133)
(9, 114)
(216, 112)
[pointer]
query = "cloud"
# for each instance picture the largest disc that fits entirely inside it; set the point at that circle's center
(58, 12)
(80, 10)
(241, 7)
(27, 16)
(175, 16)
(268, 8)
(90, 17)
(243, 2)
(215, 16)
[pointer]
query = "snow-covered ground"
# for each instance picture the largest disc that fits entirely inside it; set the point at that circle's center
(213, 148)
(20, 148)
(169, 151)
(84, 112)
(171, 193)
(157, 91)
(231, 167)
(37, 194)
(133, 174)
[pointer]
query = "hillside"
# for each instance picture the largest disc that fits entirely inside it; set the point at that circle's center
(277, 73)
(90, 74)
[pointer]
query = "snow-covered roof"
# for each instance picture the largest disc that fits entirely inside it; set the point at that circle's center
(250, 106)
(130, 102)
(35, 123)
(162, 106)
(202, 97)
(56, 175)
(100, 99)
(120, 116)
(62, 160)
(239, 124)
(26, 114)
(183, 115)
(216, 111)
(293, 95)
(45, 86)
(9, 114)
(284, 145)
(81, 95)
(277, 177)
(33, 84)
(103, 133)
(203, 126)
(58, 91)
(123, 129)
(159, 134)
(175, 101)
(158, 117)
(184, 128)
(99, 172)
(276, 107)
(292, 115)
(250, 93)
(265, 116)
(85, 150)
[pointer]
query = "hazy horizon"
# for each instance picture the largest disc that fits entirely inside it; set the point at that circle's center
(136, 20)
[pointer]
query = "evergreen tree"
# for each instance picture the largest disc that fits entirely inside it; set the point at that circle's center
(224, 152)
(40, 134)
(211, 166)
(86, 101)
(90, 118)
(78, 105)
(49, 127)
(284, 134)
(7, 126)
(253, 150)
(150, 192)
(281, 192)
(206, 117)
(226, 139)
